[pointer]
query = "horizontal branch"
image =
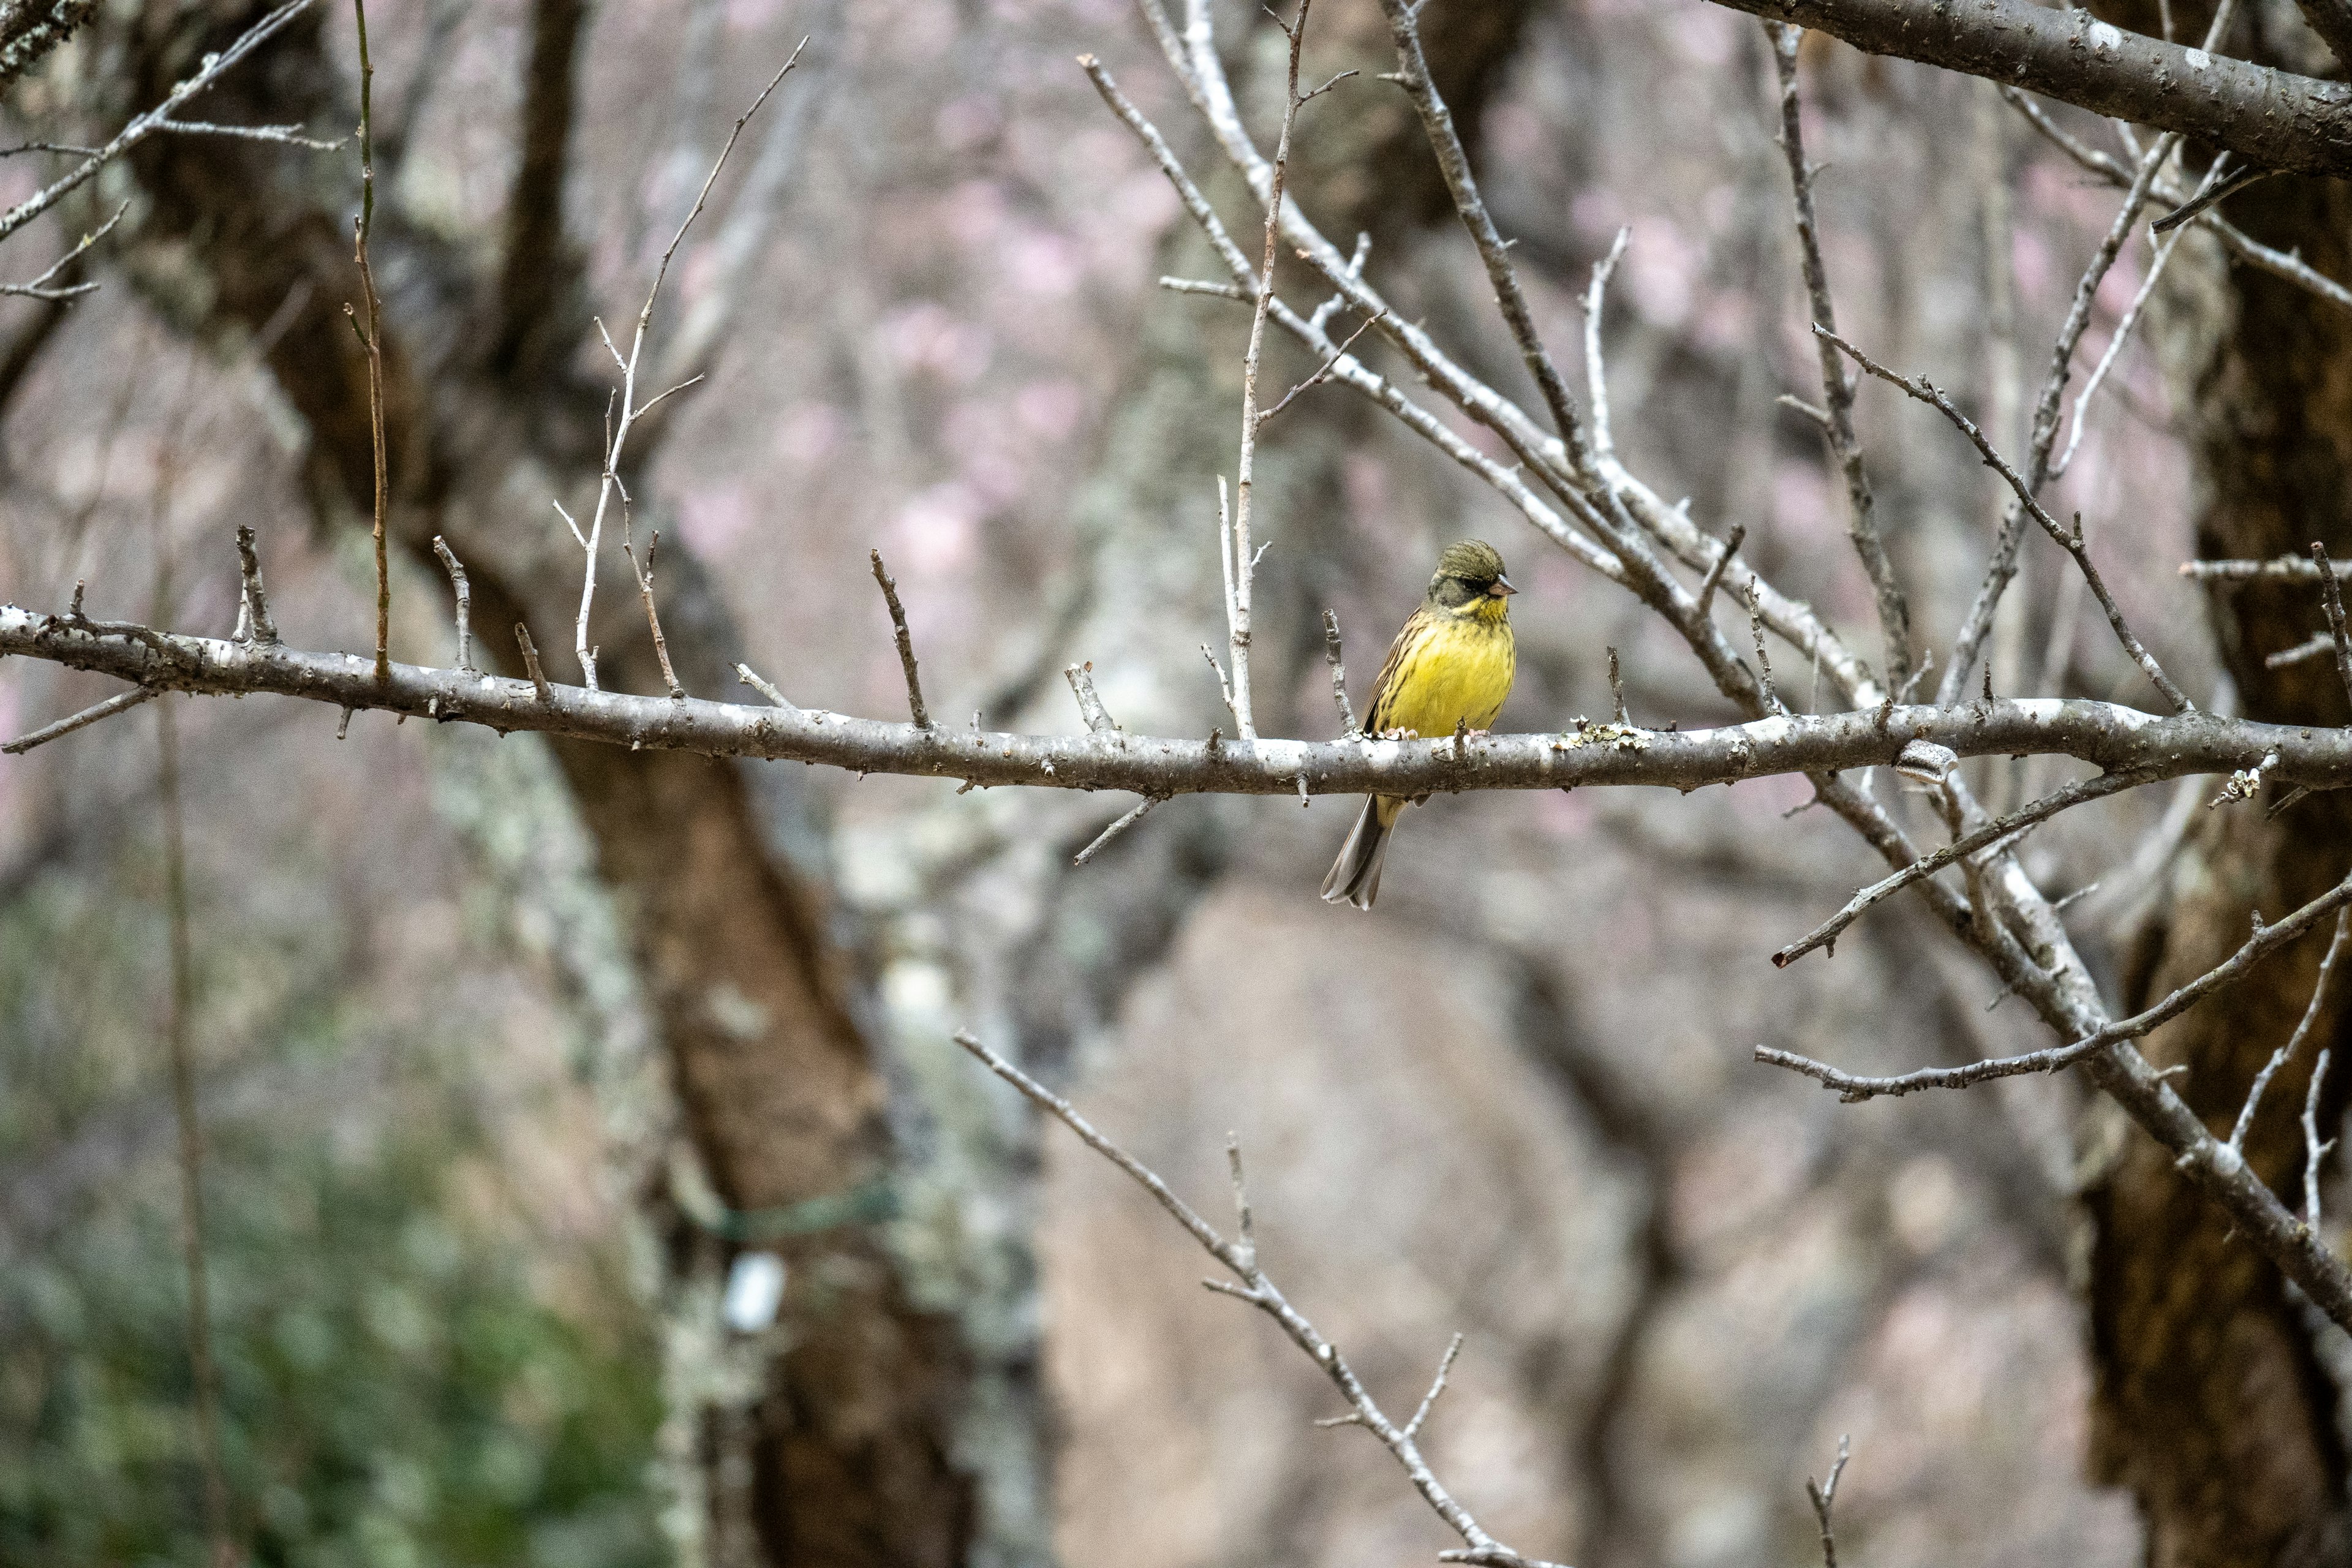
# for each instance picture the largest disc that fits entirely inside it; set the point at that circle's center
(2271, 119)
(2113, 737)
(2265, 940)
(2281, 569)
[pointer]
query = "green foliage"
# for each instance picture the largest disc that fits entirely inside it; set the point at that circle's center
(395, 1394)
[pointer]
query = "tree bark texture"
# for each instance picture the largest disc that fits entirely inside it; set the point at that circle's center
(2212, 1404)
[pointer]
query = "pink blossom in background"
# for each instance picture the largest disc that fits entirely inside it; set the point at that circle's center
(963, 122)
(808, 433)
(1598, 213)
(1663, 285)
(1050, 408)
(752, 15)
(1043, 264)
(937, 529)
(714, 516)
(927, 336)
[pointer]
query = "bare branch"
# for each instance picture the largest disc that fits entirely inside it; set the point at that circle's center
(372, 339)
(1339, 674)
(2002, 832)
(645, 576)
(2333, 598)
(2122, 335)
(2072, 540)
(2271, 118)
(1837, 385)
(154, 120)
(1127, 820)
(120, 702)
(2002, 567)
(465, 602)
(181, 1056)
(744, 673)
(545, 692)
(42, 287)
(1251, 1284)
(1081, 677)
(2314, 1150)
(1714, 577)
(2281, 568)
(253, 613)
(1823, 1496)
(1240, 562)
(2285, 1053)
(906, 643)
(1596, 373)
(2055, 1058)
(1429, 1400)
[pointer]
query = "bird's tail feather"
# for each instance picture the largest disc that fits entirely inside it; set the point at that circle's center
(1355, 876)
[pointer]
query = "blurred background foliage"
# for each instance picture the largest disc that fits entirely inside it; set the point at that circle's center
(417, 1365)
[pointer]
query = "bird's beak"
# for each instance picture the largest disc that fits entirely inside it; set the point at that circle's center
(1501, 588)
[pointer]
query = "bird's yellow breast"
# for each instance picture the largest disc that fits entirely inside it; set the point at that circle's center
(1457, 670)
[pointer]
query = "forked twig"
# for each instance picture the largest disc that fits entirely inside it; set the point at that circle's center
(1250, 1283)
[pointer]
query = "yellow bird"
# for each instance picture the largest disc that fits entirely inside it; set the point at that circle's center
(1452, 664)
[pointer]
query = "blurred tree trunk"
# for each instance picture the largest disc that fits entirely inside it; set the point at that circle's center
(2212, 1403)
(756, 1007)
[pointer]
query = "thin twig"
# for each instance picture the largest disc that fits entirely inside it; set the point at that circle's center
(1825, 935)
(179, 1022)
(1714, 578)
(1251, 1284)
(645, 576)
(156, 119)
(1081, 677)
(120, 702)
(372, 339)
(530, 664)
(41, 288)
(2121, 335)
(2278, 263)
(1837, 384)
(625, 410)
(1324, 374)
(1617, 692)
(2072, 542)
(2277, 569)
(2317, 645)
(2264, 943)
(285, 135)
(1429, 1400)
(2207, 196)
(1127, 820)
(906, 643)
(744, 673)
(2002, 566)
(2333, 598)
(1242, 565)
(1823, 1496)
(1596, 374)
(1763, 660)
(1339, 673)
(254, 607)
(2285, 1053)
(2314, 1150)
(465, 602)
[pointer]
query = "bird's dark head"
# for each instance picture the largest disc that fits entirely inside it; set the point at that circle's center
(1470, 581)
